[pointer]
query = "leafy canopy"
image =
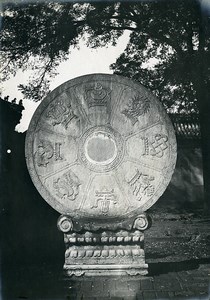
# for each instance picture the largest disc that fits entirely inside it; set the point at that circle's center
(169, 33)
(38, 37)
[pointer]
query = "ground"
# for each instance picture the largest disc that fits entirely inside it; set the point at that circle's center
(177, 247)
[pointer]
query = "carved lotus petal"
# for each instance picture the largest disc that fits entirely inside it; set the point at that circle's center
(67, 253)
(135, 252)
(104, 239)
(89, 253)
(120, 238)
(97, 253)
(73, 253)
(72, 240)
(127, 252)
(88, 239)
(105, 253)
(80, 239)
(112, 253)
(135, 238)
(127, 239)
(81, 253)
(120, 252)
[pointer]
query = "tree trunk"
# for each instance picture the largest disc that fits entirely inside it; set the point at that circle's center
(204, 111)
(204, 108)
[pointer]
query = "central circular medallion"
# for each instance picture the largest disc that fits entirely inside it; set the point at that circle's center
(101, 148)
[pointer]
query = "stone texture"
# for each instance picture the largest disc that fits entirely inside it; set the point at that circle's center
(100, 147)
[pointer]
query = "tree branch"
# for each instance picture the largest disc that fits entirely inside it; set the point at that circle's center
(189, 38)
(1, 70)
(120, 27)
(46, 69)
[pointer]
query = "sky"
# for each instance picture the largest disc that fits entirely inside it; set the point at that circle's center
(81, 61)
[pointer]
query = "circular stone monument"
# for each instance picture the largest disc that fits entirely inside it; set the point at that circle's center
(100, 148)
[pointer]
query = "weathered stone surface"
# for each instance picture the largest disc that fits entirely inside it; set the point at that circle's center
(106, 252)
(100, 148)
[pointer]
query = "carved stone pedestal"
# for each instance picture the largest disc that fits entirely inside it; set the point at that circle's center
(119, 252)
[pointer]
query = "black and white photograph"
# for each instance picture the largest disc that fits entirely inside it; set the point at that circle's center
(105, 150)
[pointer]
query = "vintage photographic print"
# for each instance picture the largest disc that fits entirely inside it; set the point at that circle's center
(105, 150)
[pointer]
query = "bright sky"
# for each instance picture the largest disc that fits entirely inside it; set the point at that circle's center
(80, 62)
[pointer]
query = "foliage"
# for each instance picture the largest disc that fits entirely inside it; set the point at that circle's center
(172, 34)
(37, 37)
(40, 36)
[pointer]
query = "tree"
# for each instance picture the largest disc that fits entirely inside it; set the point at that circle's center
(37, 37)
(175, 33)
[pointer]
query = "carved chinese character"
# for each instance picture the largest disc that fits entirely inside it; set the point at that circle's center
(103, 199)
(57, 151)
(97, 95)
(156, 146)
(141, 185)
(67, 186)
(138, 105)
(47, 150)
(61, 113)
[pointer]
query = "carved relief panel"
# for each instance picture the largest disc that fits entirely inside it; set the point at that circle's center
(101, 148)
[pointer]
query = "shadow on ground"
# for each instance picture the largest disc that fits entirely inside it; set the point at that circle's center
(166, 267)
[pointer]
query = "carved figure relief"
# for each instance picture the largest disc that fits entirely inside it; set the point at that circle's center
(103, 199)
(67, 186)
(61, 113)
(97, 95)
(141, 185)
(157, 146)
(137, 106)
(46, 151)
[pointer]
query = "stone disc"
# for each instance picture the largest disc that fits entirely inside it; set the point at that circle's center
(100, 147)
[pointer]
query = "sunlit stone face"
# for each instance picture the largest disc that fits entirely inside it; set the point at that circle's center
(100, 148)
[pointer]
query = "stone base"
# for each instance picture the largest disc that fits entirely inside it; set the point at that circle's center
(108, 253)
(106, 270)
(102, 253)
